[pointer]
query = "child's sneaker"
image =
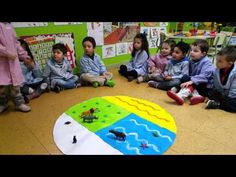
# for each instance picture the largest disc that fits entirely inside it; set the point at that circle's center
(130, 78)
(77, 85)
(196, 98)
(57, 89)
(43, 86)
(3, 108)
(152, 84)
(212, 104)
(23, 108)
(110, 83)
(174, 89)
(30, 90)
(180, 96)
(95, 84)
(176, 97)
(140, 79)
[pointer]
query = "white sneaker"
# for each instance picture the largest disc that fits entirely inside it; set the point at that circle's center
(23, 108)
(31, 90)
(174, 89)
(43, 86)
(3, 108)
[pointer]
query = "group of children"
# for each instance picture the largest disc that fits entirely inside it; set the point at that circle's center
(21, 76)
(193, 77)
(170, 69)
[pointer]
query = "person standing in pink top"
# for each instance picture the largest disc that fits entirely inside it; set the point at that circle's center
(10, 71)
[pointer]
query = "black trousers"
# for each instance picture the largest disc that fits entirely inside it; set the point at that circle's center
(123, 71)
(226, 103)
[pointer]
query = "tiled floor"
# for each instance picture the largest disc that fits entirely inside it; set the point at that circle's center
(199, 131)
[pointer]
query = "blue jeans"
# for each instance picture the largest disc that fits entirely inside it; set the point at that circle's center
(66, 84)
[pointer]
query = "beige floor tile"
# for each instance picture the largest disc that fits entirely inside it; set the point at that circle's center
(18, 139)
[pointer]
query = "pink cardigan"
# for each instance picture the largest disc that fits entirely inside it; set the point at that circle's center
(10, 70)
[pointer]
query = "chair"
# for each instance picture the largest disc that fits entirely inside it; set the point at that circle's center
(218, 44)
(228, 30)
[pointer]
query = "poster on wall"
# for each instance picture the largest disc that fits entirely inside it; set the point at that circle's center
(162, 30)
(95, 30)
(68, 23)
(130, 47)
(145, 30)
(154, 32)
(150, 24)
(163, 24)
(28, 24)
(118, 32)
(108, 51)
(121, 48)
(153, 43)
(41, 47)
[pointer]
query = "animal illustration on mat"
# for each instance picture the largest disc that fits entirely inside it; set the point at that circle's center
(119, 135)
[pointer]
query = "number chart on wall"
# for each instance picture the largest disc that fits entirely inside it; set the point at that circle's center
(41, 47)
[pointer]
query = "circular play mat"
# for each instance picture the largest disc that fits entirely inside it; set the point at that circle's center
(115, 125)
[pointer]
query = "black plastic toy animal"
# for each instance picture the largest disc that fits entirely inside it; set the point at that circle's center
(68, 122)
(119, 135)
(74, 140)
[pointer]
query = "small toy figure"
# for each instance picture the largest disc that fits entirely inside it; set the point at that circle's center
(89, 118)
(119, 135)
(155, 134)
(68, 122)
(89, 112)
(74, 140)
(144, 145)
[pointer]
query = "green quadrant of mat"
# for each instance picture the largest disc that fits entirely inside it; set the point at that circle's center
(108, 113)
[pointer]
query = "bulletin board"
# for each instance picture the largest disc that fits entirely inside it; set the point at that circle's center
(41, 47)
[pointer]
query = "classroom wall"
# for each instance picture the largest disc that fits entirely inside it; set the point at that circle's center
(79, 31)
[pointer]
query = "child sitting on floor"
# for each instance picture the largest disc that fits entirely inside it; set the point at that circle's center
(200, 78)
(58, 72)
(223, 94)
(138, 64)
(158, 62)
(175, 69)
(34, 85)
(92, 69)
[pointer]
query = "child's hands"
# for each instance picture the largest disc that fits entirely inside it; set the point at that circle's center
(151, 69)
(167, 78)
(11, 56)
(186, 84)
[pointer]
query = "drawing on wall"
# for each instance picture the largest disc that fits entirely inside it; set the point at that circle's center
(162, 30)
(68, 23)
(150, 24)
(154, 32)
(121, 48)
(95, 30)
(163, 24)
(41, 47)
(145, 30)
(115, 32)
(130, 47)
(153, 42)
(108, 51)
(28, 24)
